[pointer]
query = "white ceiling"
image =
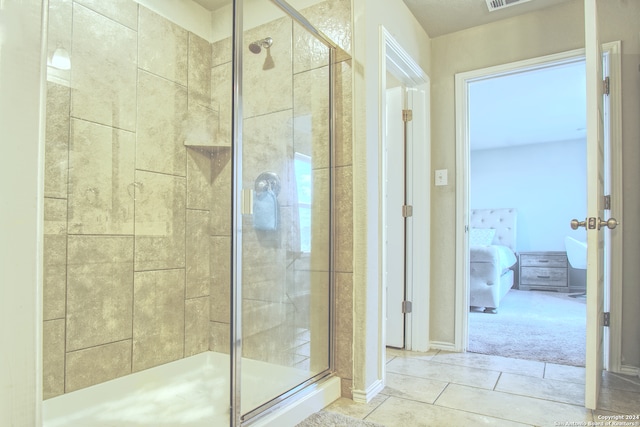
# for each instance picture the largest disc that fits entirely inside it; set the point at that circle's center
(532, 107)
(439, 17)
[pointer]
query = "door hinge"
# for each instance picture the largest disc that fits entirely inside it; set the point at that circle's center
(407, 211)
(406, 307)
(606, 86)
(606, 318)
(407, 115)
(607, 202)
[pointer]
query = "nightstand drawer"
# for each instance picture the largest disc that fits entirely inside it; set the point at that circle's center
(542, 276)
(543, 260)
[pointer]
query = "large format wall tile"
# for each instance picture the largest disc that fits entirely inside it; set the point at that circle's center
(201, 128)
(219, 337)
(199, 180)
(221, 95)
(104, 70)
(159, 221)
(343, 114)
(343, 244)
(220, 278)
(221, 167)
(344, 325)
(162, 114)
(308, 52)
(101, 160)
(123, 11)
(333, 18)
(53, 358)
(221, 52)
(56, 154)
(267, 143)
(311, 116)
(196, 326)
(320, 220)
(197, 255)
(268, 90)
(199, 71)
(99, 290)
(55, 258)
(158, 329)
(59, 29)
(97, 364)
(163, 47)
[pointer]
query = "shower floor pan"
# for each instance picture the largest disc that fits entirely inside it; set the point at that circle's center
(190, 392)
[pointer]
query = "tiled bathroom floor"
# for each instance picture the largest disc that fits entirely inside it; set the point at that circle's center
(466, 389)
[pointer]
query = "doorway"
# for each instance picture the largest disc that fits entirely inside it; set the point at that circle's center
(404, 167)
(528, 154)
(465, 198)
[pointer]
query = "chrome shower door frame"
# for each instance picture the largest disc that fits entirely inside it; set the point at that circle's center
(236, 417)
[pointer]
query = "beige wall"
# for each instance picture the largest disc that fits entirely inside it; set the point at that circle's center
(532, 35)
(620, 20)
(368, 17)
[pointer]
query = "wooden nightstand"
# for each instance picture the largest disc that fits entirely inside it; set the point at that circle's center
(543, 271)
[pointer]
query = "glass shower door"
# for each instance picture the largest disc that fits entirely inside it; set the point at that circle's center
(284, 227)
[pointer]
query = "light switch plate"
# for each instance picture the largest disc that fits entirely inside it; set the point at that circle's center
(441, 177)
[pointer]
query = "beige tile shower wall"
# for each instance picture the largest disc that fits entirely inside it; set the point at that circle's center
(129, 209)
(334, 19)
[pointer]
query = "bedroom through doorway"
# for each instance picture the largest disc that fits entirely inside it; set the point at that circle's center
(527, 179)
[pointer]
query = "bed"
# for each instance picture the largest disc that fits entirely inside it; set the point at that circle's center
(492, 248)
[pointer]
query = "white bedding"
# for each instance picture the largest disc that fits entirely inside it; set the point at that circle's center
(505, 256)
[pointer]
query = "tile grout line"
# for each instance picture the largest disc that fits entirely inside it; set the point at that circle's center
(440, 394)
(497, 381)
(376, 408)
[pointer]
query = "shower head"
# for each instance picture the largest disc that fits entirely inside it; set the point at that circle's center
(255, 48)
(258, 45)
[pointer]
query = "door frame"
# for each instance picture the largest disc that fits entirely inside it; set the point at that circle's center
(394, 59)
(462, 81)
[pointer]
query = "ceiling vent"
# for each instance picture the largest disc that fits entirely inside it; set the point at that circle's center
(501, 4)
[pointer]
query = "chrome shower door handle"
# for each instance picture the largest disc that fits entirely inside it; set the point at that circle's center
(247, 201)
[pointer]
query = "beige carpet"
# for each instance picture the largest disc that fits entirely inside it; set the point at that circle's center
(333, 419)
(534, 325)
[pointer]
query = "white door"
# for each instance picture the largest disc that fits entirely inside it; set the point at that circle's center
(395, 232)
(595, 222)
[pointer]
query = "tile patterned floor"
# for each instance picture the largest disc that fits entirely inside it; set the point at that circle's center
(466, 389)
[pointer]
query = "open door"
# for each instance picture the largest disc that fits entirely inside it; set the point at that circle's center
(395, 244)
(594, 223)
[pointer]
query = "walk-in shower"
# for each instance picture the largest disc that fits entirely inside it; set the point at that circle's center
(188, 213)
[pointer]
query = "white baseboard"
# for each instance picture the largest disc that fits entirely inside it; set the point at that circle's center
(323, 394)
(441, 345)
(365, 396)
(630, 370)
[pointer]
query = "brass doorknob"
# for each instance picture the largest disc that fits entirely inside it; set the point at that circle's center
(611, 223)
(575, 224)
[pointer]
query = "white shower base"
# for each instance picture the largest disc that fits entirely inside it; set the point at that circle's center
(190, 392)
